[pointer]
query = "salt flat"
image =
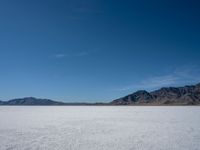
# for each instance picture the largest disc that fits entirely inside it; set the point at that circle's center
(99, 128)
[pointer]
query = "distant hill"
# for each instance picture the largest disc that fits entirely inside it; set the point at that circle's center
(1, 102)
(38, 101)
(188, 95)
(31, 101)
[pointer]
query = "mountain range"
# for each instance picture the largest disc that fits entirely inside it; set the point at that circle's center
(30, 101)
(187, 95)
(38, 101)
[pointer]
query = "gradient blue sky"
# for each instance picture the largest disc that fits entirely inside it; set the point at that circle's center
(96, 50)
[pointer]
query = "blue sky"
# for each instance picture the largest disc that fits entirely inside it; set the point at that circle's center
(96, 50)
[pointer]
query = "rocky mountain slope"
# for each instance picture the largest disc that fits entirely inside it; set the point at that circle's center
(188, 95)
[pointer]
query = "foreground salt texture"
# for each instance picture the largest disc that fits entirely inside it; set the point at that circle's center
(99, 128)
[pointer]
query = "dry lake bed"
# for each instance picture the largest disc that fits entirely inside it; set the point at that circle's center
(99, 128)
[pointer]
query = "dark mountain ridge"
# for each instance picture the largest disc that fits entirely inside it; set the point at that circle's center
(187, 95)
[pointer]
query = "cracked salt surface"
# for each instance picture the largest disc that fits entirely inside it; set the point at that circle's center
(99, 128)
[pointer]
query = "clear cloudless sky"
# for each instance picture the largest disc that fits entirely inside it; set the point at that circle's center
(96, 50)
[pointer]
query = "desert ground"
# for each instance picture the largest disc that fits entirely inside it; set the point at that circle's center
(99, 128)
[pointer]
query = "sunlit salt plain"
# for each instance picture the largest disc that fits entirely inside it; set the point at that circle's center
(99, 128)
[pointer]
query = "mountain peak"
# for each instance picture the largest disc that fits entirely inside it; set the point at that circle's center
(141, 92)
(166, 95)
(198, 84)
(32, 101)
